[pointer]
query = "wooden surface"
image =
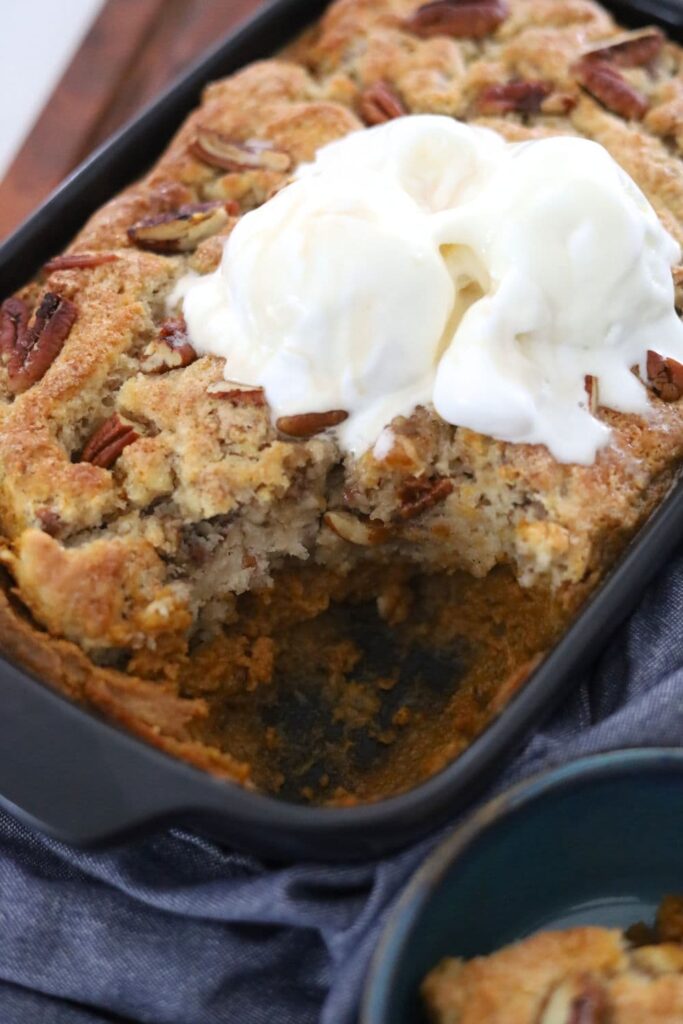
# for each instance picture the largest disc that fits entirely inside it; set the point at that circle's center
(133, 50)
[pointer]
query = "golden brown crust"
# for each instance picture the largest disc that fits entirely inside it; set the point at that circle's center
(550, 977)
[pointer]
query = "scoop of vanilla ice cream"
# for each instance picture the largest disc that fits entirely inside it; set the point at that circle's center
(427, 261)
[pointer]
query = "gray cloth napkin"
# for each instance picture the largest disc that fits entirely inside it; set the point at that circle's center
(173, 929)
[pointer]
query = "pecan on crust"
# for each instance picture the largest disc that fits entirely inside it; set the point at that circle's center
(512, 97)
(50, 521)
(183, 229)
(238, 394)
(306, 424)
(665, 376)
(633, 51)
(591, 386)
(218, 150)
(29, 350)
(607, 85)
(108, 441)
(380, 103)
(463, 19)
(170, 350)
(78, 261)
(417, 495)
(356, 529)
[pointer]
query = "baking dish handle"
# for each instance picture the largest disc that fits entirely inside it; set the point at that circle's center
(86, 781)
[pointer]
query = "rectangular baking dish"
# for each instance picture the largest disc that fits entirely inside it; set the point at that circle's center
(82, 780)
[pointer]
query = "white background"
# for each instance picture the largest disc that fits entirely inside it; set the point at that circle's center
(38, 38)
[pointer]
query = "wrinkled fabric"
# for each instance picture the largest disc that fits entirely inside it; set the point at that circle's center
(174, 929)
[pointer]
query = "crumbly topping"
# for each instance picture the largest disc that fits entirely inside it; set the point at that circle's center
(126, 451)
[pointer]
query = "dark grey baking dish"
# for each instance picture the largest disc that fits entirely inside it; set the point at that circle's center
(76, 777)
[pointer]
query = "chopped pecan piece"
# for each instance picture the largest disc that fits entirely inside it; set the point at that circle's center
(592, 390)
(631, 51)
(108, 441)
(380, 103)
(665, 376)
(460, 18)
(181, 230)
(418, 494)
(308, 423)
(78, 261)
(238, 394)
(170, 350)
(355, 529)
(579, 999)
(49, 520)
(513, 97)
(219, 150)
(29, 350)
(606, 84)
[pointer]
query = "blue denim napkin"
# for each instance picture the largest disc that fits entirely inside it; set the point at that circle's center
(176, 930)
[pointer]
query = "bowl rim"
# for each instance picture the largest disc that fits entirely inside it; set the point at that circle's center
(398, 931)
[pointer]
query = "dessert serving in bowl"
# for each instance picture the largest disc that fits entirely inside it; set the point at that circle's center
(556, 903)
(315, 439)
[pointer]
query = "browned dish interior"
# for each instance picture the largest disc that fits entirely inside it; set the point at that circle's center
(311, 695)
(337, 706)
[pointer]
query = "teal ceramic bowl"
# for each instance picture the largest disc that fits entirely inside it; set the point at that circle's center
(598, 841)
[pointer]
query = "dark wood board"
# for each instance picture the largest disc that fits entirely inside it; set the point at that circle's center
(134, 49)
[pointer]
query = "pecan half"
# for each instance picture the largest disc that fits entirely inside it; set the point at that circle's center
(238, 394)
(181, 230)
(170, 350)
(380, 103)
(460, 18)
(590, 383)
(606, 84)
(355, 529)
(579, 999)
(29, 350)
(665, 376)
(78, 261)
(418, 494)
(218, 150)
(630, 51)
(308, 423)
(513, 97)
(108, 441)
